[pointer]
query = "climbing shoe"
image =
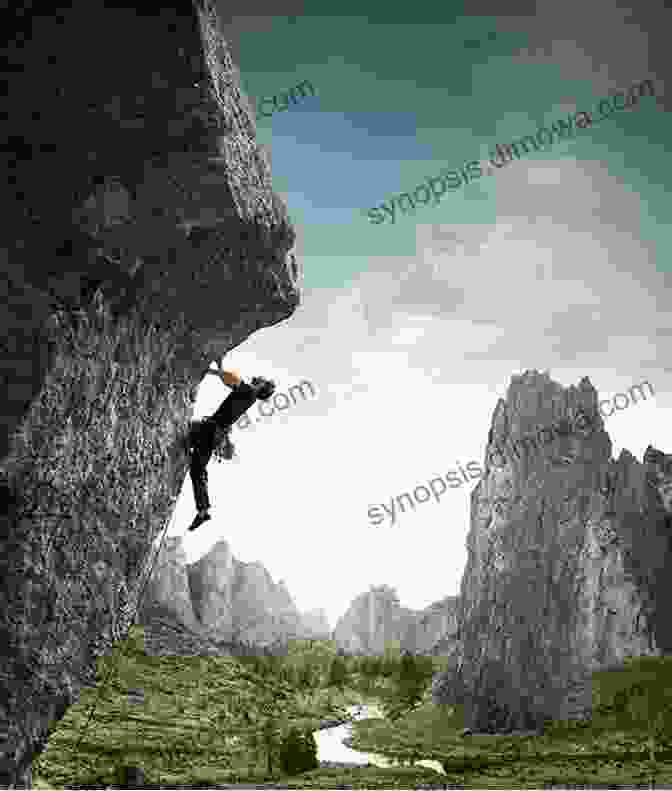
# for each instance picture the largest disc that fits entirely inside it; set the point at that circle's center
(198, 520)
(263, 388)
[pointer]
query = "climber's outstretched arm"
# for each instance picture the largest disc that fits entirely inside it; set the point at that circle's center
(229, 376)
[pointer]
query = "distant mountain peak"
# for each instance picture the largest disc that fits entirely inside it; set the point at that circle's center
(225, 598)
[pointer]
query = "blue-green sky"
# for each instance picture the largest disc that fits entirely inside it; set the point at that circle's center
(399, 99)
(411, 331)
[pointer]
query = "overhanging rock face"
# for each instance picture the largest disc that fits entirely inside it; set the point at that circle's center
(569, 558)
(141, 239)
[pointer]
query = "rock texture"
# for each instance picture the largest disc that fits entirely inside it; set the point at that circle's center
(569, 559)
(434, 630)
(376, 618)
(212, 584)
(141, 239)
(373, 620)
(169, 584)
(316, 624)
(221, 599)
(166, 635)
(263, 614)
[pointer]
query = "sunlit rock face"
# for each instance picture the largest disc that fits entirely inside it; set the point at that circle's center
(212, 582)
(569, 566)
(376, 620)
(222, 599)
(373, 621)
(434, 630)
(264, 612)
(316, 623)
(141, 239)
(169, 584)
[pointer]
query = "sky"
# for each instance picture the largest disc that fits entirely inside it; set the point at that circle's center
(409, 332)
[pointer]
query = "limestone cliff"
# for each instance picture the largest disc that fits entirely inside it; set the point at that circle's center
(141, 239)
(169, 584)
(376, 619)
(262, 613)
(222, 599)
(212, 582)
(569, 565)
(434, 630)
(373, 621)
(316, 624)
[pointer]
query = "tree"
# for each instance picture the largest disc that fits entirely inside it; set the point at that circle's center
(262, 708)
(291, 675)
(310, 751)
(645, 706)
(411, 680)
(298, 752)
(308, 678)
(290, 753)
(338, 673)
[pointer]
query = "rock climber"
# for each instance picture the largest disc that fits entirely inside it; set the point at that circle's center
(212, 434)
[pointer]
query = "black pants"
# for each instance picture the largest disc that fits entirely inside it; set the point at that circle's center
(202, 438)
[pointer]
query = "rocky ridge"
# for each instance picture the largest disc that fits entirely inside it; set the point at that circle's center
(220, 598)
(376, 619)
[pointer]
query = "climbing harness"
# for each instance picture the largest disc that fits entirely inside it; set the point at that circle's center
(224, 449)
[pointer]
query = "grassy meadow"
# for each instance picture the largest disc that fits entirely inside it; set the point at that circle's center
(217, 722)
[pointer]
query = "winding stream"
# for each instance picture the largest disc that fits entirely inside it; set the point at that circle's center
(330, 745)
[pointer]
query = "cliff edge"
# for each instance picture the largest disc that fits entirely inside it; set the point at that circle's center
(141, 240)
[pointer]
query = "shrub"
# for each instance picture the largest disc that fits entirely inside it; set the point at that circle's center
(298, 752)
(338, 673)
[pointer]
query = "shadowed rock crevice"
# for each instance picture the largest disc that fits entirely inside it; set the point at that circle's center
(142, 239)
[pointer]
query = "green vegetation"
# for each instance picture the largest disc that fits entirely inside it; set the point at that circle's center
(626, 742)
(204, 720)
(338, 673)
(209, 721)
(411, 679)
(298, 752)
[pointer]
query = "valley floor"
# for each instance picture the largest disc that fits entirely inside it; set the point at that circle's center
(181, 736)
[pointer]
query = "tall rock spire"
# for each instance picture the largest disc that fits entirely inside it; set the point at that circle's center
(568, 558)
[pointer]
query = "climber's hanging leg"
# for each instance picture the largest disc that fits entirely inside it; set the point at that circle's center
(206, 434)
(201, 441)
